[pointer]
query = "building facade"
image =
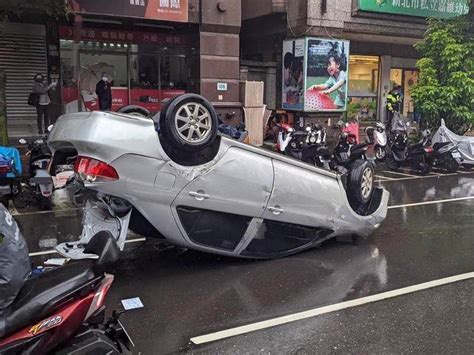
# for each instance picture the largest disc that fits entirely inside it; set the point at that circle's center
(151, 50)
(381, 35)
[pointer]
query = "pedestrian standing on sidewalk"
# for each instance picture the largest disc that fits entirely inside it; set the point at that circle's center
(41, 88)
(104, 93)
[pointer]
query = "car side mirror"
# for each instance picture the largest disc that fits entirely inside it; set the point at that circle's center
(50, 127)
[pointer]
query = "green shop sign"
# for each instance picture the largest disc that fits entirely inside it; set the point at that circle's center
(422, 8)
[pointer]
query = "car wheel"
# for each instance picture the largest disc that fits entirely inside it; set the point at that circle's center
(391, 163)
(134, 110)
(189, 122)
(361, 183)
(380, 153)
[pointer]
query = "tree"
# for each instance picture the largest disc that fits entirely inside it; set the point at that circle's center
(446, 85)
(12, 9)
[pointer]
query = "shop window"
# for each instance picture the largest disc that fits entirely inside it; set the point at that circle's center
(363, 87)
(173, 69)
(143, 74)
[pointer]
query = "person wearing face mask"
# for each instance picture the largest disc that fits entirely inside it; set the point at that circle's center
(104, 93)
(41, 89)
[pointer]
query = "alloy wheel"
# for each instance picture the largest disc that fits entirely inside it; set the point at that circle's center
(193, 122)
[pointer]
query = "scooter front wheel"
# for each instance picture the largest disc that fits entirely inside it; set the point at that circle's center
(380, 153)
(391, 163)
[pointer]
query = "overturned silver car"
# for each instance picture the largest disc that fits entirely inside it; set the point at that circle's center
(174, 177)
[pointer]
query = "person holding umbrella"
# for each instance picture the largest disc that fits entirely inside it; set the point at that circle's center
(104, 93)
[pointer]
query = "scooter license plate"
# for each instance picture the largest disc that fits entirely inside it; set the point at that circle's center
(456, 155)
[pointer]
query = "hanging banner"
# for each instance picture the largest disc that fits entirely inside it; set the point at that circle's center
(165, 10)
(420, 8)
(327, 64)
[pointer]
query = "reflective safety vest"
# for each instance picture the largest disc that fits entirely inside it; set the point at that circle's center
(394, 100)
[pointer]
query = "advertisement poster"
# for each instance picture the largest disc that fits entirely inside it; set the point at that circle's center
(327, 63)
(293, 75)
(422, 8)
(166, 10)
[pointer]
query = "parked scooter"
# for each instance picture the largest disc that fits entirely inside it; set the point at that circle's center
(377, 137)
(10, 174)
(308, 146)
(445, 156)
(418, 156)
(40, 181)
(62, 310)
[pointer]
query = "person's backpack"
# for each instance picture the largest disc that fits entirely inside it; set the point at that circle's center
(33, 99)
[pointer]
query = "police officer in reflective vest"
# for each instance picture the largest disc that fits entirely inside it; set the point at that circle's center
(394, 102)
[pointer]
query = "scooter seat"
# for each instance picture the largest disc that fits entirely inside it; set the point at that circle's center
(43, 292)
(439, 145)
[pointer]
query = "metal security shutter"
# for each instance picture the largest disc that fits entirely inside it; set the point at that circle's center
(22, 55)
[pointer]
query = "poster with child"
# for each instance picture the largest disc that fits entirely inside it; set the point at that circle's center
(326, 75)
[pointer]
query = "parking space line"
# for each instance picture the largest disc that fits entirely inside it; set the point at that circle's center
(432, 202)
(48, 252)
(14, 211)
(249, 328)
(384, 177)
(397, 173)
(424, 177)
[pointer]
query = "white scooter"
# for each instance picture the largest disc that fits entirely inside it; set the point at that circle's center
(377, 137)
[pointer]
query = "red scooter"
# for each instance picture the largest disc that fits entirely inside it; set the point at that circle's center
(62, 310)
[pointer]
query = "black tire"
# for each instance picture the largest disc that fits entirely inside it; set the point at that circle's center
(450, 165)
(391, 163)
(421, 165)
(135, 111)
(45, 203)
(360, 183)
(193, 132)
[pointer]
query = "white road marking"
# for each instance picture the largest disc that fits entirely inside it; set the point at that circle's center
(424, 177)
(245, 329)
(48, 252)
(432, 202)
(397, 173)
(384, 177)
(16, 213)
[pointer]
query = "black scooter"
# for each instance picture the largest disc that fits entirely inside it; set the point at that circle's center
(40, 181)
(418, 156)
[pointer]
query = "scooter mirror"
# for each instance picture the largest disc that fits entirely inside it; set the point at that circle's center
(50, 127)
(22, 141)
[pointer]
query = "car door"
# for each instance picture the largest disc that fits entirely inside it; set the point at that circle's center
(216, 208)
(300, 211)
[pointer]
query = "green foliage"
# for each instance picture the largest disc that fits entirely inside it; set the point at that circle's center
(446, 85)
(14, 9)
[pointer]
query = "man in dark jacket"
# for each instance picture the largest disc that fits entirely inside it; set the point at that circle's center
(104, 93)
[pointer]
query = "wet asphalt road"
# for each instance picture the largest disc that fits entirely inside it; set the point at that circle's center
(188, 294)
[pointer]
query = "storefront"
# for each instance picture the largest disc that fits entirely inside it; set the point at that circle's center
(365, 91)
(144, 67)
